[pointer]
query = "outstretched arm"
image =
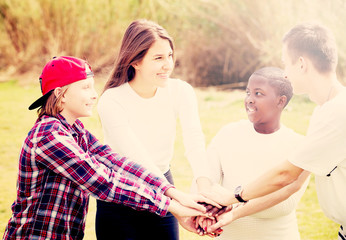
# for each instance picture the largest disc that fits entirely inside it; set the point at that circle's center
(273, 180)
(190, 200)
(261, 203)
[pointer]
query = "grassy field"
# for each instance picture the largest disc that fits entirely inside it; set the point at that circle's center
(216, 109)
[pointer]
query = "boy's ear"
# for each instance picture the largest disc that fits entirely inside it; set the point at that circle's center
(303, 64)
(282, 101)
(57, 92)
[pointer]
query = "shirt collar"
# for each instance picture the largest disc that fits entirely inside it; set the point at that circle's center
(77, 127)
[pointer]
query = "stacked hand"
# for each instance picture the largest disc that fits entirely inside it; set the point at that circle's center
(203, 213)
(197, 213)
(187, 205)
(206, 225)
(199, 224)
(210, 225)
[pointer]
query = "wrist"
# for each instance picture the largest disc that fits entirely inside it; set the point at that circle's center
(203, 184)
(171, 192)
(236, 211)
(172, 208)
(175, 194)
(238, 192)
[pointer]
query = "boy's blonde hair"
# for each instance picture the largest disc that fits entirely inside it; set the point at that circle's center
(52, 107)
(313, 41)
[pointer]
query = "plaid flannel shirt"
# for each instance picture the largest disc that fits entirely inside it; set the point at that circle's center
(59, 167)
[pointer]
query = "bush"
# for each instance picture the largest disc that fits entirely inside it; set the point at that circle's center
(33, 31)
(218, 42)
(228, 40)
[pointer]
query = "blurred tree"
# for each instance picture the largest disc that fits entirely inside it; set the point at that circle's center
(218, 42)
(228, 39)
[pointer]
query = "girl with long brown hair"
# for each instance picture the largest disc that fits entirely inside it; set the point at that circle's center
(139, 110)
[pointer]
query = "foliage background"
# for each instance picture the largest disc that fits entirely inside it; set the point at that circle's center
(217, 41)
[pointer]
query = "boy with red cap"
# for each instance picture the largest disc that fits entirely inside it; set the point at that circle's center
(61, 164)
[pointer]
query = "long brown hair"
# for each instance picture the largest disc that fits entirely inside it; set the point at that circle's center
(138, 38)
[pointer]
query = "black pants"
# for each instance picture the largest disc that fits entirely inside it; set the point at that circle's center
(115, 221)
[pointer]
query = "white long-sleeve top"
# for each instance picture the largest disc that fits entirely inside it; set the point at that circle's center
(238, 155)
(144, 129)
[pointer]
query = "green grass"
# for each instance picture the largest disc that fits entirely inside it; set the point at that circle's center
(216, 109)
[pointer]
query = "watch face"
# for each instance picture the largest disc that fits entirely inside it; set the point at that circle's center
(237, 190)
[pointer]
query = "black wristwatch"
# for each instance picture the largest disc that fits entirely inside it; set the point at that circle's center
(237, 194)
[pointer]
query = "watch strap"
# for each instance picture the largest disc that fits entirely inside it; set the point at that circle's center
(237, 194)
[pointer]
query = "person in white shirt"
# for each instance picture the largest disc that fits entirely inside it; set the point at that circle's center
(139, 110)
(310, 59)
(241, 151)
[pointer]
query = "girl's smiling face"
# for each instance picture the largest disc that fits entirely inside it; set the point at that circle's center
(263, 105)
(156, 66)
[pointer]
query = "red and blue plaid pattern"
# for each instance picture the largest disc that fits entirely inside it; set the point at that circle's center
(59, 167)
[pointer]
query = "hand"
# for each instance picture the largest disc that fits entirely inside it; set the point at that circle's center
(178, 210)
(188, 223)
(215, 211)
(224, 218)
(219, 194)
(222, 221)
(190, 200)
(202, 224)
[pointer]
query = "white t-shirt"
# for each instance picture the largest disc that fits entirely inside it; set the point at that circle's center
(239, 155)
(323, 153)
(145, 129)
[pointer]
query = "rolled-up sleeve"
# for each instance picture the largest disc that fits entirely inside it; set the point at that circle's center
(126, 183)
